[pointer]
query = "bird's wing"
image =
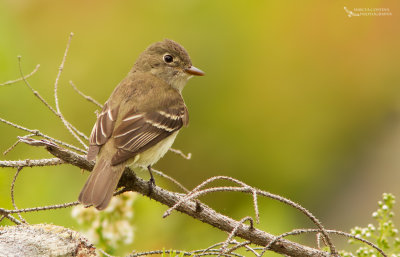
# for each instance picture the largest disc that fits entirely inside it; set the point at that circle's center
(102, 130)
(138, 132)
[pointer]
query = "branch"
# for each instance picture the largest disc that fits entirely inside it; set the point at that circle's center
(192, 208)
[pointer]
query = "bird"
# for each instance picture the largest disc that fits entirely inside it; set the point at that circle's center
(140, 120)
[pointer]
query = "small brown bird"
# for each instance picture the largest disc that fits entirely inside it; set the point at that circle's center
(140, 120)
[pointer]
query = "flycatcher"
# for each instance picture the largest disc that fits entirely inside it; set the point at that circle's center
(140, 120)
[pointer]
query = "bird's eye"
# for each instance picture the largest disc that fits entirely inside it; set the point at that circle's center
(168, 58)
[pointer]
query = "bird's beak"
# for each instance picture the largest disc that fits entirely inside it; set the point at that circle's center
(194, 71)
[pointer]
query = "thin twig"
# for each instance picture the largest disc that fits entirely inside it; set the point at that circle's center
(308, 214)
(60, 69)
(197, 188)
(248, 189)
(40, 134)
(36, 93)
(162, 174)
(31, 163)
(243, 244)
(7, 215)
(159, 252)
(22, 78)
(255, 205)
(89, 98)
(302, 231)
(42, 208)
(179, 152)
(16, 143)
(69, 126)
(233, 233)
(215, 252)
(230, 250)
(12, 194)
(10, 217)
(320, 238)
(50, 207)
(211, 247)
(103, 252)
(185, 253)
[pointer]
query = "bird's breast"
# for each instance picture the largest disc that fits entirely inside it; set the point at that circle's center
(154, 153)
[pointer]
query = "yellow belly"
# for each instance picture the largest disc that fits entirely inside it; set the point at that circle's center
(153, 154)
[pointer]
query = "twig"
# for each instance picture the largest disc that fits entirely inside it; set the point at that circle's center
(159, 252)
(255, 205)
(40, 134)
(50, 207)
(216, 252)
(22, 78)
(64, 154)
(69, 126)
(15, 144)
(179, 152)
(243, 244)
(197, 188)
(31, 163)
(228, 251)
(248, 189)
(185, 253)
(103, 252)
(212, 246)
(320, 238)
(162, 174)
(42, 208)
(12, 194)
(10, 217)
(36, 93)
(89, 98)
(60, 69)
(302, 231)
(233, 233)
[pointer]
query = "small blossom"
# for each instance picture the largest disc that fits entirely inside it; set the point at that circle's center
(111, 226)
(371, 227)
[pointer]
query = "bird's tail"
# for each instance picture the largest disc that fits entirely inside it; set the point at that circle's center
(100, 186)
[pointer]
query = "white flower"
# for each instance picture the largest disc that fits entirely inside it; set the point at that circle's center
(113, 225)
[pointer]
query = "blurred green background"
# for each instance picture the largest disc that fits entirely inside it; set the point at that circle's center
(298, 99)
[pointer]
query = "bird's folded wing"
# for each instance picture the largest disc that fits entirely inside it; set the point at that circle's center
(138, 132)
(102, 130)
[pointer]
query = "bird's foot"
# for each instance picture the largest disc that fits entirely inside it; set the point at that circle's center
(151, 182)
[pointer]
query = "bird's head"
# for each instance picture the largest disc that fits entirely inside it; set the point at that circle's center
(168, 61)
